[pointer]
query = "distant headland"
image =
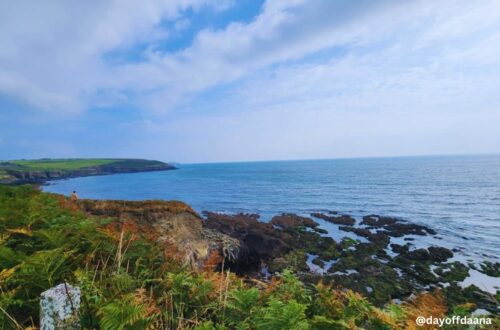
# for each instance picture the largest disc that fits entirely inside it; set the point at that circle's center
(42, 170)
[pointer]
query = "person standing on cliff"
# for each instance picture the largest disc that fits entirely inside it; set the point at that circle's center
(74, 196)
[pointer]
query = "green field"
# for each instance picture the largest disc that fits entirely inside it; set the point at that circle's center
(39, 170)
(61, 164)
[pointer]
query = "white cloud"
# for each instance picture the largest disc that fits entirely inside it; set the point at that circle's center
(302, 79)
(51, 51)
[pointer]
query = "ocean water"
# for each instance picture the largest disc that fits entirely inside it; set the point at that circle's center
(458, 196)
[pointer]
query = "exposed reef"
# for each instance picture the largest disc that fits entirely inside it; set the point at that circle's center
(371, 265)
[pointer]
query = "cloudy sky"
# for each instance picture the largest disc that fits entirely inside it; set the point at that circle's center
(217, 80)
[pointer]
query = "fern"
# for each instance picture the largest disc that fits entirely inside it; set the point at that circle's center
(281, 315)
(124, 314)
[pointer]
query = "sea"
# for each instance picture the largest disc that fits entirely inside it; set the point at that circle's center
(458, 196)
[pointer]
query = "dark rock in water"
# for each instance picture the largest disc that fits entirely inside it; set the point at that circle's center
(377, 221)
(433, 254)
(358, 231)
(400, 229)
(399, 248)
(439, 254)
(418, 254)
(288, 220)
(395, 227)
(318, 262)
(333, 212)
(321, 230)
(378, 238)
(344, 219)
(491, 269)
(281, 244)
(454, 272)
(409, 239)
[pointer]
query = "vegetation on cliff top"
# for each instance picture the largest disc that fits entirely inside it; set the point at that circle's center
(30, 171)
(130, 281)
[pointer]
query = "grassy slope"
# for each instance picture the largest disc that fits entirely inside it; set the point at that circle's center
(45, 240)
(9, 170)
(76, 164)
(61, 164)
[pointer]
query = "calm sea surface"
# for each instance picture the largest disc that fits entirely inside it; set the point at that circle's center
(458, 196)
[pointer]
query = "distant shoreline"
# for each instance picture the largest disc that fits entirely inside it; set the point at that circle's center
(43, 170)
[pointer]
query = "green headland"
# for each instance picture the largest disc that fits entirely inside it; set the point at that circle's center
(42, 170)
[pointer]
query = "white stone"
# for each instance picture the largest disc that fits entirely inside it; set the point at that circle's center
(59, 308)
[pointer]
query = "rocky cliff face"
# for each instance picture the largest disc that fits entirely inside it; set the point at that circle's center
(172, 222)
(19, 174)
(371, 265)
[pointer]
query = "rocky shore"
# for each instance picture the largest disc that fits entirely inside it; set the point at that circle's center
(370, 262)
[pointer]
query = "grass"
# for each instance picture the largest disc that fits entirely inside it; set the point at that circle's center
(75, 164)
(61, 164)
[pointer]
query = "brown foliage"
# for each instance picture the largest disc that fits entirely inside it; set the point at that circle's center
(213, 260)
(426, 305)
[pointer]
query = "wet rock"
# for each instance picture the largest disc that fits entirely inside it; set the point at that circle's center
(318, 262)
(321, 231)
(396, 248)
(400, 229)
(418, 254)
(395, 227)
(345, 220)
(491, 269)
(358, 231)
(261, 241)
(288, 220)
(379, 237)
(348, 242)
(454, 272)
(439, 254)
(60, 308)
(378, 221)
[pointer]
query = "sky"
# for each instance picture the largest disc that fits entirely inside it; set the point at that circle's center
(227, 80)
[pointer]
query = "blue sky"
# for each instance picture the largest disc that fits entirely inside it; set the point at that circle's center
(227, 80)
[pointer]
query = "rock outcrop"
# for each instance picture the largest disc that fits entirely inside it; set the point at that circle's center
(171, 222)
(344, 219)
(60, 308)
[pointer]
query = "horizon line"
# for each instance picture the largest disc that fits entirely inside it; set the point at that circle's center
(338, 158)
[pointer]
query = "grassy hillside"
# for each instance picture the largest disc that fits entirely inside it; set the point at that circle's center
(129, 281)
(61, 164)
(37, 171)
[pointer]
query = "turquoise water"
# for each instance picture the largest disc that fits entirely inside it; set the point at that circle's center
(458, 196)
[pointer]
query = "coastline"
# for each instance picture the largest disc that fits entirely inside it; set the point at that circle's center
(117, 251)
(18, 174)
(371, 263)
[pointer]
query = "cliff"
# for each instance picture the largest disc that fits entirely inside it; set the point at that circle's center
(43, 170)
(172, 224)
